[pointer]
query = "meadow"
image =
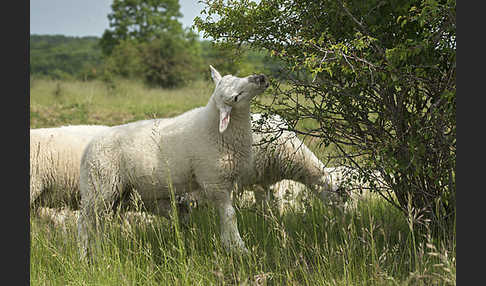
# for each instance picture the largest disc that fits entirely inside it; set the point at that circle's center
(371, 244)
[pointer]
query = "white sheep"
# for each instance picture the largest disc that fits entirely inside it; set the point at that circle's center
(279, 155)
(55, 155)
(55, 158)
(206, 148)
(59, 185)
(286, 194)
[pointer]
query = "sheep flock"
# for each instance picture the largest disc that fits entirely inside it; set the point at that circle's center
(207, 154)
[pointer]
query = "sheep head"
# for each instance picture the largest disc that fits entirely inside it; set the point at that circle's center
(233, 92)
(331, 187)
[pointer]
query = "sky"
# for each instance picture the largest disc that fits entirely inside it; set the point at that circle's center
(86, 17)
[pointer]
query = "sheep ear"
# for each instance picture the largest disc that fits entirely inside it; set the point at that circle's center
(224, 117)
(215, 75)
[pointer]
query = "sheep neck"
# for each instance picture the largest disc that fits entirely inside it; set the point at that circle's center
(236, 139)
(308, 168)
(288, 160)
(240, 119)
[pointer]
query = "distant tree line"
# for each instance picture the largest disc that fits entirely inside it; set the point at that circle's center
(82, 58)
(144, 41)
(59, 56)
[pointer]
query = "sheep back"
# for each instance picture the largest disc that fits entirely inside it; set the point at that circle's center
(55, 155)
(150, 155)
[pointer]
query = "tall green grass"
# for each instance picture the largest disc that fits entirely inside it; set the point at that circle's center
(325, 245)
(371, 244)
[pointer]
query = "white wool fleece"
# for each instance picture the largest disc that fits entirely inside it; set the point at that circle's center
(55, 155)
(280, 154)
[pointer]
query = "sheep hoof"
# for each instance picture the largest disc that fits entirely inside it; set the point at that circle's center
(237, 246)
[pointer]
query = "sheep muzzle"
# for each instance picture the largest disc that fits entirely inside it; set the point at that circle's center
(260, 80)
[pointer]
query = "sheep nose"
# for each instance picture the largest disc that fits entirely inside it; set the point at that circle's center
(260, 80)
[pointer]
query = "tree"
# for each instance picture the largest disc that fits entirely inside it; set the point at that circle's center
(147, 41)
(125, 60)
(230, 61)
(223, 59)
(140, 21)
(377, 77)
(171, 61)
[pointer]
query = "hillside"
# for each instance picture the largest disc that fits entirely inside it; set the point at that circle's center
(60, 56)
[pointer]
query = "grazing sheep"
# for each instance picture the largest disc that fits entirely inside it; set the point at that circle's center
(55, 155)
(55, 158)
(279, 154)
(206, 148)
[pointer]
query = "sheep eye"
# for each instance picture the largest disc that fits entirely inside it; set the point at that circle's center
(236, 97)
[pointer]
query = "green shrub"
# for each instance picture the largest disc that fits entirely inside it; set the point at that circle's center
(125, 60)
(171, 61)
(377, 77)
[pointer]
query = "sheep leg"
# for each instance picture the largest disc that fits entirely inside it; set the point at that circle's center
(98, 199)
(221, 197)
(163, 207)
(264, 196)
(86, 224)
(35, 191)
(230, 236)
